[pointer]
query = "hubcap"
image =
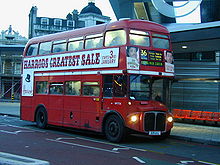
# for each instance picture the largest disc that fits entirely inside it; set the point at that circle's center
(41, 117)
(113, 128)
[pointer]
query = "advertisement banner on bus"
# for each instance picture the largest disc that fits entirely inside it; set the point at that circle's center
(102, 58)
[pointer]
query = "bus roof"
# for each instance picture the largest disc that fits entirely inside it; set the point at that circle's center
(131, 23)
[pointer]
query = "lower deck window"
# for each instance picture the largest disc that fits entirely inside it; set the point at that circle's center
(56, 88)
(91, 89)
(41, 87)
(72, 88)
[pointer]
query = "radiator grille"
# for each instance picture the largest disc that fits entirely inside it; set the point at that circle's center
(155, 121)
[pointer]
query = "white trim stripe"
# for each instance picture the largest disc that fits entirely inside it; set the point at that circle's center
(104, 72)
(150, 73)
(168, 74)
(79, 73)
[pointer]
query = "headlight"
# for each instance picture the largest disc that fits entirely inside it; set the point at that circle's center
(134, 118)
(170, 119)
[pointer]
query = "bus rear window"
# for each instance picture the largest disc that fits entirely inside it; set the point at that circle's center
(160, 41)
(115, 38)
(32, 50)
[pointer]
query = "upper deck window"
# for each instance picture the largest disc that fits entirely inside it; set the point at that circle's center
(32, 50)
(115, 38)
(160, 41)
(139, 38)
(59, 46)
(75, 44)
(45, 48)
(94, 41)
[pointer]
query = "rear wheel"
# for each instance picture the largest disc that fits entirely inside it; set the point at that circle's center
(114, 129)
(41, 118)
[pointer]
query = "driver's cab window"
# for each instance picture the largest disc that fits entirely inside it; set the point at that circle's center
(161, 90)
(157, 90)
(114, 86)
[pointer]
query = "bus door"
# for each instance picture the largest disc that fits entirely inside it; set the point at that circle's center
(114, 92)
(55, 106)
(91, 102)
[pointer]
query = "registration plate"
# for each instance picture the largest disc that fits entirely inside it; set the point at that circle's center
(155, 133)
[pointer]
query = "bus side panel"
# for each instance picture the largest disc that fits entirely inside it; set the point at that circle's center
(55, 102)
(91, 106)
(41, 100)
(55, 110)
(90, 113)
(72, 105)
(27, 110)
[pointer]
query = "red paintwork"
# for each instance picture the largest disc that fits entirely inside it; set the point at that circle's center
(88, 112)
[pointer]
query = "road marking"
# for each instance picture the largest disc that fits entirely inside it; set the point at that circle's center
(113, 144)
(116, 149)
(207, 163)
(65, 139)
(14, 132)
(139, 160)
(10, 159)
(84, 146)
(32, 129)
(186, 162)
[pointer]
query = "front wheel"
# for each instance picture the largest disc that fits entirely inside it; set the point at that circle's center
(114, 129)
(41, 118)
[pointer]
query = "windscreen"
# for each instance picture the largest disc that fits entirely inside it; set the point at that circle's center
(144, 87)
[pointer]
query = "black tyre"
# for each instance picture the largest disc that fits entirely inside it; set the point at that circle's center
(41, 118)
(114, 129)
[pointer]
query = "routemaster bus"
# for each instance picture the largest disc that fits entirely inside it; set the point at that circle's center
(112, 78)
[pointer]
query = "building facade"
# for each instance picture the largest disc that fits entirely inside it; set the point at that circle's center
(11, 50)
(89, 16)
(146, 9)
(196, 51)
(12, 44)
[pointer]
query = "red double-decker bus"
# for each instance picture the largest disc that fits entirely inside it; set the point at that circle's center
(112, 78)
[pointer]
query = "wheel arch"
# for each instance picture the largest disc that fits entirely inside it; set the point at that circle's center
(37, 108)
(109, 113)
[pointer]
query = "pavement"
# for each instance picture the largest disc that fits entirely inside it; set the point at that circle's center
(183, 131)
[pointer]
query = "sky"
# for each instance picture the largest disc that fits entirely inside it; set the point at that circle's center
(15, 12)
